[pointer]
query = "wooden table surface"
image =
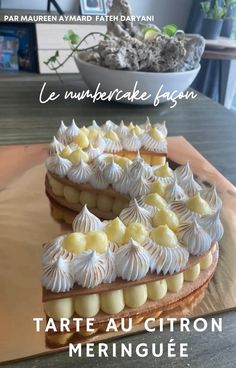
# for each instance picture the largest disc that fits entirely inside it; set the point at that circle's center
(208, 126)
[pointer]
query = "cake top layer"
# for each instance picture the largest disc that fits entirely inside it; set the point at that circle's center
(109, 137)
(157, 232)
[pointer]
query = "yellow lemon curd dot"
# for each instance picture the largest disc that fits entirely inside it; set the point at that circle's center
(57, 187)
(136, 232)
(131, 126)
(164, 171)
(76, 156)
(97, 240)
(155, 200)
(166, 217)
(82, 140)
(85, 130)
(112, 135)
(66, 152)
(199, 205)
(158, 187)
(60, 308)
(123, 161)
(75, 243)
(155, 134)
(71, 194)
(93, 135)
(137, 130)
(115, 231)
(164, 236)
(88, 198)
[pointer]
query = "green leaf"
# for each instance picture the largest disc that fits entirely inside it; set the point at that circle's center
(170, 29)
(52, 58)
(151, 28)
(71, 37)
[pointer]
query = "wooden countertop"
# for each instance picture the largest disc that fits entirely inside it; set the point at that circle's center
(208, 126)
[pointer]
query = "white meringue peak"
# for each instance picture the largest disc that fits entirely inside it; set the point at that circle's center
(93, 152)
(52, 249)
(194, 237)
(72, 131)
(110, 266)
(80, 173)
(55, 147)
(123, 184)
(212, 225)
(97, 179)
(139, 187)
(135, 213)
(109, 125)
(58, 165)
(112, 146)
(132, 261)
(57, 275)
(61, 133)
(122, 130)
(174, 192)
(85, 221)
(151, 144)
(166, 259)
(131, 142)
(89, 269)
(112, 172)
(183, 172)
(183, 213)
(190, 186)
(210, 195)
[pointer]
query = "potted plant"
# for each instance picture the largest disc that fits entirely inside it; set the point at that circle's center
(229, 18)
(214, 14)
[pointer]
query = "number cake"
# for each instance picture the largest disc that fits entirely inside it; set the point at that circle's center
(144, 237)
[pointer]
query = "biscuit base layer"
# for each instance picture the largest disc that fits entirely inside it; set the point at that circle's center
(173, 305)
(75, 208)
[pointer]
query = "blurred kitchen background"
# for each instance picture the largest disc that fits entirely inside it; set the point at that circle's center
(25, 46)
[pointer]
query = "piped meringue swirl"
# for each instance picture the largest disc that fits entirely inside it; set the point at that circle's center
(89, 269)
(212, 225)
(194, 237)
(52, 249)
(61, 133)
(132, 261)
(57, 275)
(85, 221)
(166, 259)
(110, 266)
(210, 195)
(174, 192)
(80, 173)
(72, 131)
(58, 165)
(135, 213)
(131, 142)
(55, 147)
(151, 144)
(112, 172)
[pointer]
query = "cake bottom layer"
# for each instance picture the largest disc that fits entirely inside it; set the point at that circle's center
(176, 310)
(173, 305)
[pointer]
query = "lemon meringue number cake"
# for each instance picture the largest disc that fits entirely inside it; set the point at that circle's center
(144, 238)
